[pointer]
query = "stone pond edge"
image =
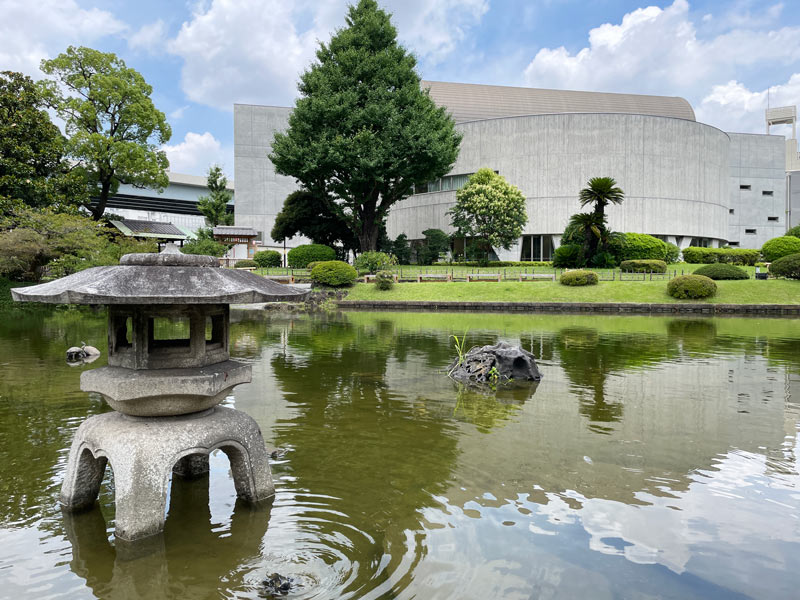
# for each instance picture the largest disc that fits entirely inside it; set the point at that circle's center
(781, 310)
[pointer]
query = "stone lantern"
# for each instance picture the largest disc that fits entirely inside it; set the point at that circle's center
(168, 370)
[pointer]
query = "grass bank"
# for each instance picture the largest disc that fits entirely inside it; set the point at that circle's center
(751, 291)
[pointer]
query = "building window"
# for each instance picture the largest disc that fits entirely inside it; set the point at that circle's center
(733, 244)
(448, 183)
(536, 247)
(744, 187)
(772, 218)
(766, 193)
(700, 242)
(750, 231)
(730, 211)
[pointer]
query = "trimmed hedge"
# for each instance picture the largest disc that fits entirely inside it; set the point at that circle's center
(787, 266)
(794, 231)
(245, 262)
(372, 262)
(384, 280)
(300, 256)
(734, 256)
(779, 247)
(568, 256)
(579, 277)
(640, 246)
(333, 273)
(503, 263)
(643, 266)
(722, 271)
(691, 287)
(268, 258)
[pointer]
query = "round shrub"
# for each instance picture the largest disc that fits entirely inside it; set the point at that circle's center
(788, 266)
(691, 286)
(640, 246)
(722, 271)
(334, 273)
(568, 256)
(299, 257)
(372, 262)
(671, 253)
(643, 266)
(267, 258)
(579, 277)
(794, 231)
(245, 262)
(384, 280)
(779, 247)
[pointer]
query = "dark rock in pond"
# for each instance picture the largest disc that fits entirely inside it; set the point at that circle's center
(278, 584)
(509, 363)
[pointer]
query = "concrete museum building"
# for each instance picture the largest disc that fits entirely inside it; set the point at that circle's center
(685, 182)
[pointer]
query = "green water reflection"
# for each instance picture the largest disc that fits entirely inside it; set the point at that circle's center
(657, 458)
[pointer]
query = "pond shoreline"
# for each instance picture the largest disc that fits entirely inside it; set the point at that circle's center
(742, 310)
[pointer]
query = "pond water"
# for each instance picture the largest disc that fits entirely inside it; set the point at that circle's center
(656, 459)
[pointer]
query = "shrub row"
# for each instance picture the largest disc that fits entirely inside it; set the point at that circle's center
(691, 287)
(641, 246)
(733, 256)
(268, 258)
(643, 266)
(245, 262)
(722, 271)
(300, 256)
(579, 277)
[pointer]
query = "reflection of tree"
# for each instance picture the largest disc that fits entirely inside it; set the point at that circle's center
(488, 409)
(357, 441)
(693, 335)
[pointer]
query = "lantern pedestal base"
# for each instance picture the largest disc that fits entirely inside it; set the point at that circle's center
(143, 451)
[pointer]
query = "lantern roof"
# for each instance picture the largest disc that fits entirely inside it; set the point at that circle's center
(169, 277)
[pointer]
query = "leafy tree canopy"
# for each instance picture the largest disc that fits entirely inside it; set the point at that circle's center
(490, 208)
(114, 131)
(214, 207)
(32, 169)
(305, 214)
(436, 243)
(363, 132)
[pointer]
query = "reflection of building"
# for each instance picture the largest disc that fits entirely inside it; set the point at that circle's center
(685, 182)
(177, 204)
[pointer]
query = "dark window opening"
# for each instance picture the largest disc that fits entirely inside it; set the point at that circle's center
(215, 330)
(168, 333)
(772, 218)
(730, 211)
(750, 231)
(733, 243)
(766, 193)
(123, 333)
(744, 187)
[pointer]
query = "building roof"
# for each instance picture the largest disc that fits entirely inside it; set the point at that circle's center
(150, 229)
(194, 180)
(232, 230)
(475, 102)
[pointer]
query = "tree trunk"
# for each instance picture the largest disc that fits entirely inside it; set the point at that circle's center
(98, 210)
(368, 236)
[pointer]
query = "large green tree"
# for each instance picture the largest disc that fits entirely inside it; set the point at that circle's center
(489, 208)
(363, 132)
(113, 128)
(214, 207)
(33, 171)
(305, 214)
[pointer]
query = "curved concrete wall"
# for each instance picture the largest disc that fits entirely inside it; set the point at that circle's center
(675, 173)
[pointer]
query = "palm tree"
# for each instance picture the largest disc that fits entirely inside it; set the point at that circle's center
(593, 226)
(601, 192)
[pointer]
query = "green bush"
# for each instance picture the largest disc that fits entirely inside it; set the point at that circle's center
(299, 257)
(707, 256)
(672, 253)
(206, 247)
(604, 260)
(640, 246)
(722, 271)
(245, 262)
(580, 277)
(334, 273)
(384, 280)
(794, 231)
(401, 250)
(691, 286)
(779, 247)
(787, 266)
(568, 256)
(507, 263)
(372, 262)
(268, 258)
(643, 266)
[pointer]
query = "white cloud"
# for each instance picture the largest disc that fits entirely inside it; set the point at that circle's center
(149, 38)
(254, 50)
(178, 113)
(658, 51)
(196, 153)
(31, 31)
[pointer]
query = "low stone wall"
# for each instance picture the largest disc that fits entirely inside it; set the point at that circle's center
(772, 310)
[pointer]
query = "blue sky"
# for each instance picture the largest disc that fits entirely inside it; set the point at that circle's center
(203, 56)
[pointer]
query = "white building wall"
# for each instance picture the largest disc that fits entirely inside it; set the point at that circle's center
(674, 172)
(260, 191)
(756, 161)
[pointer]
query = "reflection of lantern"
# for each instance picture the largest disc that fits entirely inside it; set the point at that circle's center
(168, 369)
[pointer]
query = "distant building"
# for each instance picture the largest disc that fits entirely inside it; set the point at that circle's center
(159, 231)
(685, 182)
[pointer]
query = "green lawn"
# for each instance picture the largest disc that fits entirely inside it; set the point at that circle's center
(772, 291)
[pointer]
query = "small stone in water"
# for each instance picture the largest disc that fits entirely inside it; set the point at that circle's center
(277, 583)
(277, 453)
